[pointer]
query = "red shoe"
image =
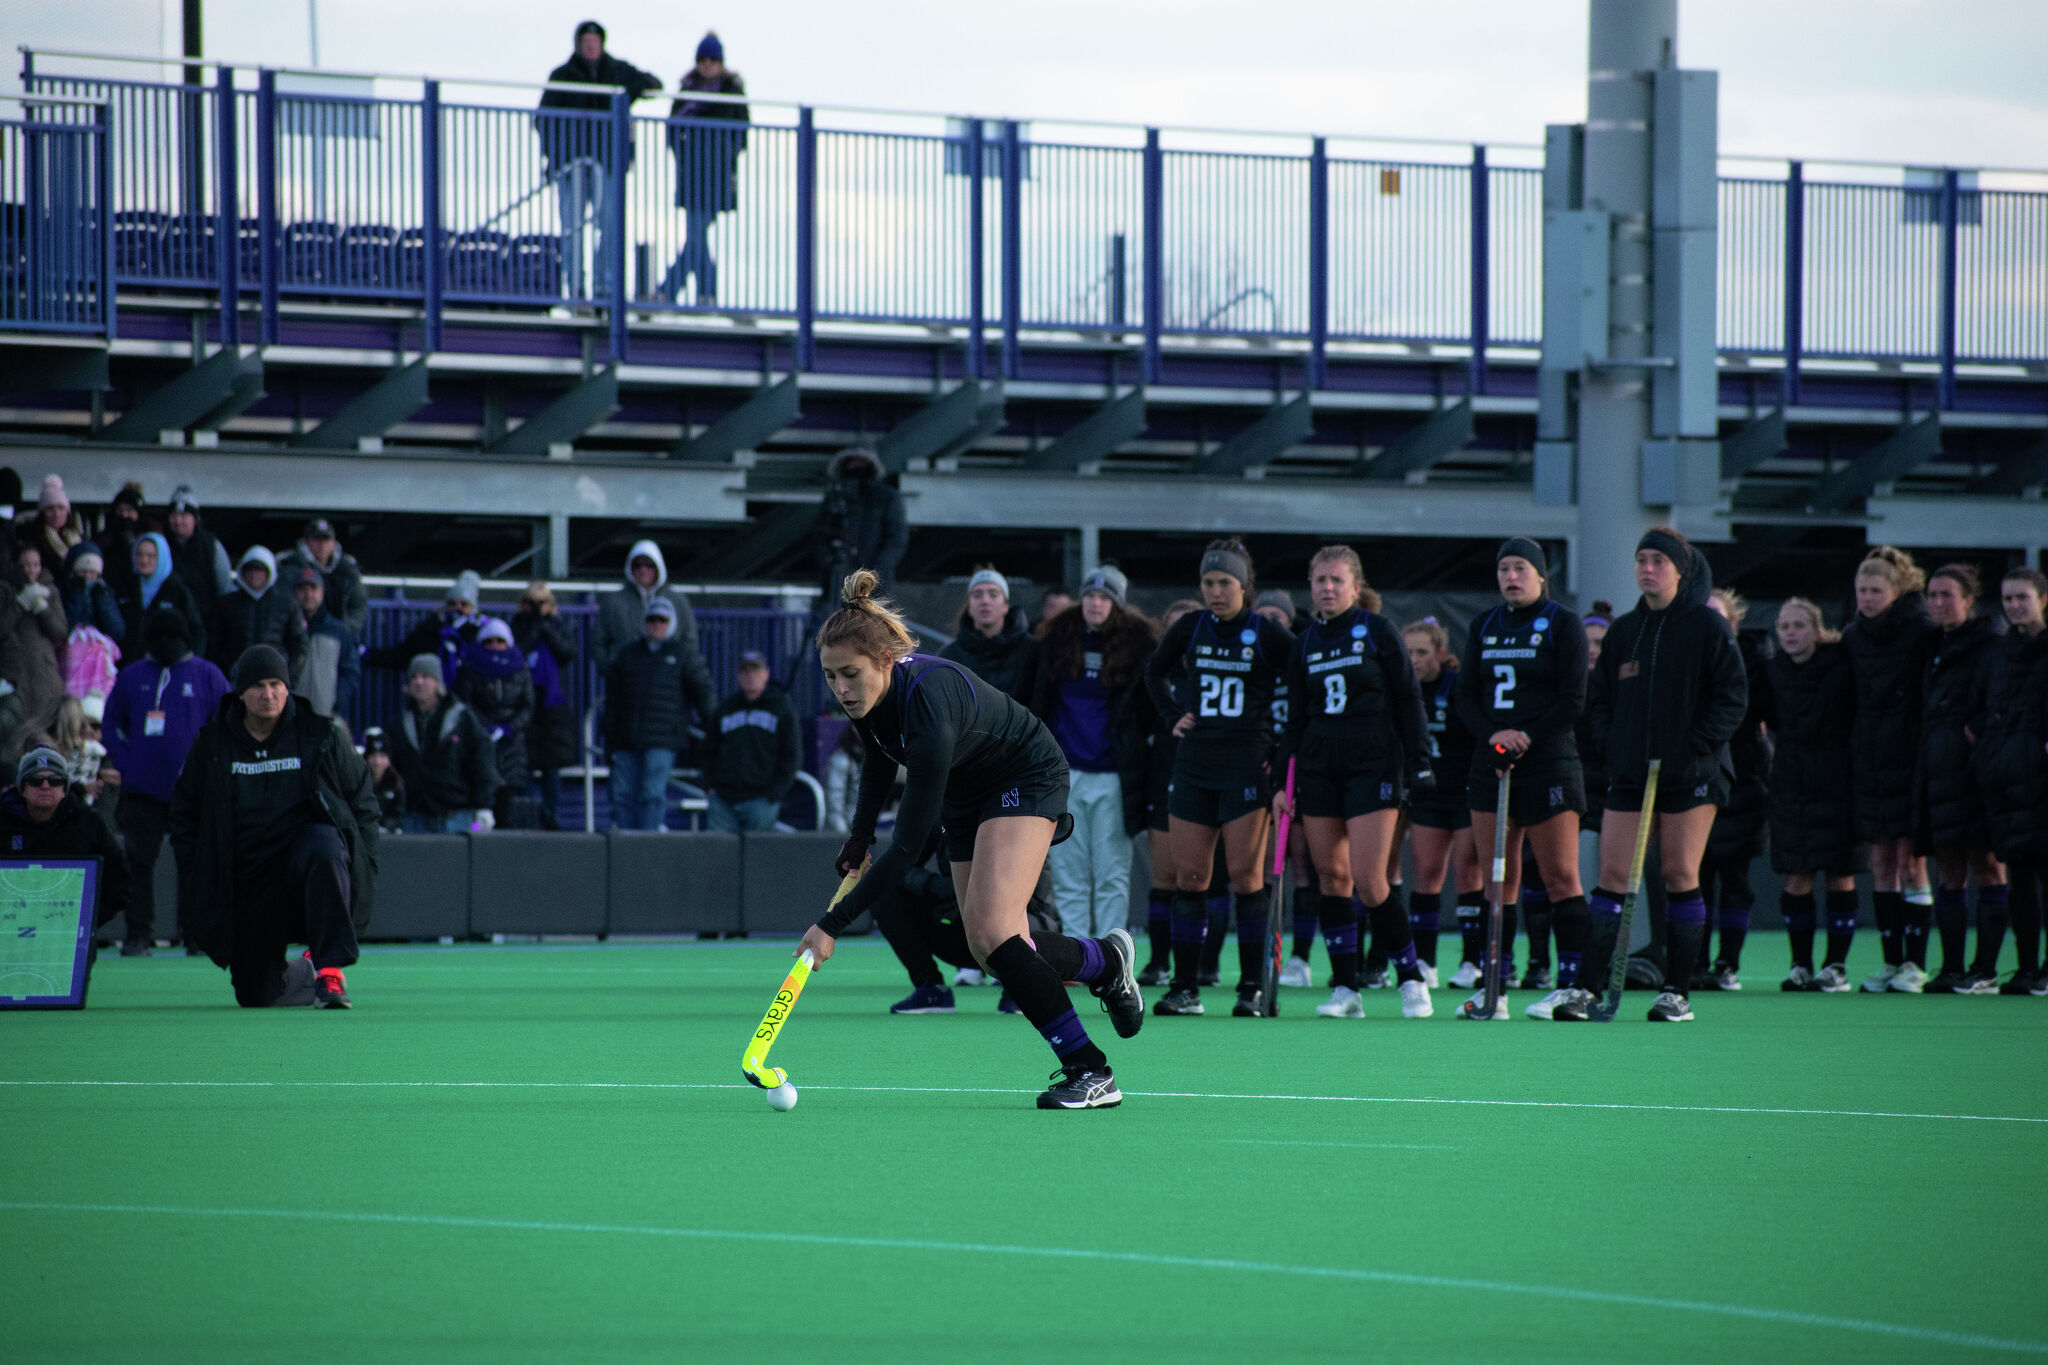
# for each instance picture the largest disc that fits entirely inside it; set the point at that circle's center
(330, 992)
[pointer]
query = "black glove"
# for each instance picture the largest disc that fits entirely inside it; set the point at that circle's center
(853, 852)
(1422, 781)
(1502, 759)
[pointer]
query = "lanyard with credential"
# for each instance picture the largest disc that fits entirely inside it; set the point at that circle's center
(153, 723)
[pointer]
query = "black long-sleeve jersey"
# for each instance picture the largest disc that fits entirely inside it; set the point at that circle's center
(958, 740)
(1355, 698)
(1225, 673)
(1450, 743)
(1526, 670)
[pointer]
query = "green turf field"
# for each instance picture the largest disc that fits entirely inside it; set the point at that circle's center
(545, 1153)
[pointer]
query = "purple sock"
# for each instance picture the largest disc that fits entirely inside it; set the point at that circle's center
(1091, 961)
(1065, 1035)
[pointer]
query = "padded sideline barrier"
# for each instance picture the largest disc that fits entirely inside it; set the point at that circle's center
(530, 882)
(787, 880)
(422, 887)
(673, 883)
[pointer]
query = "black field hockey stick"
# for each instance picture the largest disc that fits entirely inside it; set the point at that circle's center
(1605, 1008)
(1494, 913)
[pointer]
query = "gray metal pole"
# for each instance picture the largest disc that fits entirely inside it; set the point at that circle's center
(1628, 40)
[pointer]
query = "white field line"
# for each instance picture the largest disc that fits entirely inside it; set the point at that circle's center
(1227, 1265)
(1006, 1090)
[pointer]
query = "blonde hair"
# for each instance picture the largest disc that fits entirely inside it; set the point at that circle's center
(1733, 602)
(1344, 554)
(68, 729)
(1820, 622)
(1895, 567)
(1432, 630)
(868, 623)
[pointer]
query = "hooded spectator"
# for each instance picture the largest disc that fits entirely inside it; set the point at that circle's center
(553, 739)
(707, 164)
(155, 712)
(444, 754)
(54, 527)
(123, 522)
(649, 692)
(348, 601)
(32, 636)
(257, 610)
(498, 686)
(275, 833)
(40, 819)
(91, 656)
(326, 675)
(995, 637)
(861, 524)
(621, 618)
(752, 751)
(447, 635)
(197, 557)
(156, 582)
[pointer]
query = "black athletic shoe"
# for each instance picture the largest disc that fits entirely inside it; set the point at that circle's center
(1118, 989)
(926, 999)
(301, 983)
(330, 992)
(1670, 1008)
(1537, 978)
(1155, 974)
(1946, 983)
(135, 947)
(1179, 1000)
(1250, 1003)
(1211, 976)
(1005, 1005)
(1076, 1087)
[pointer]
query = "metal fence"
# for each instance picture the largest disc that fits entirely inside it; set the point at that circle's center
(54, 246)
(286, 185)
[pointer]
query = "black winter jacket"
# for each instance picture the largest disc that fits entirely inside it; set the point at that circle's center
(1739, 824)
(647, 697)
(75, 831)
(1005, 661)
(2011, 765)
(753, 748)
(1669, 685)
(1811, 711)
(554, 738)
(1949, 812)
(503, 701)
(707, 158)
(861, 524)
(240, 620)
(567, 133)
(173, 591)
(445, 758)
(1889, 652)
(202, 821)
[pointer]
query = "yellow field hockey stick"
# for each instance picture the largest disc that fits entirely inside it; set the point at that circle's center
(754, 1062)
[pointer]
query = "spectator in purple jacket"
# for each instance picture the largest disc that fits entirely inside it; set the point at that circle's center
(157, 708)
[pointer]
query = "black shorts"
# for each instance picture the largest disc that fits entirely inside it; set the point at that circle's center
(1216, 806)
(1534, 795)
(1039, 792)
(1339, 796)
(1437, 813)
(1673, 798)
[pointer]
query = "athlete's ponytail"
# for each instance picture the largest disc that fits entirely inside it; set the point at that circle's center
(1895, 567)
(868, 623)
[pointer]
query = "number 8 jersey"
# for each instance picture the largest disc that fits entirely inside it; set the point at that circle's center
(1525, 669)
(1354, 697)
(1226, 673)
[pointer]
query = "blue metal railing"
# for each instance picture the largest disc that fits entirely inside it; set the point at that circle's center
(246, 186)
(56, 246)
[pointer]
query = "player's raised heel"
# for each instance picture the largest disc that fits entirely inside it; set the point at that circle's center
(1118, 988)
(1079, 1088)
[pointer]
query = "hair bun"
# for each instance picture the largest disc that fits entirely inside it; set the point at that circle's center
(859, 586)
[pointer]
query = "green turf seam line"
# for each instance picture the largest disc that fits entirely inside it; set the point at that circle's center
(1005, 1090)
(1789, 1317)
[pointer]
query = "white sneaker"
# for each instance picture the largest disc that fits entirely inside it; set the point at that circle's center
(1880, 981)
(1297, 973)
(1467, 976)
(1833, 978)
(1546, 1008)
(1909, 979)
(1415, 1001)
(1342, 1004)
(970, 976)
(1475, 1008)
(1429, 975)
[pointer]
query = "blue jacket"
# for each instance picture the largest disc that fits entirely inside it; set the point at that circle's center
(188, 693)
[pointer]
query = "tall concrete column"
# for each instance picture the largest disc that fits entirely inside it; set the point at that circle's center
(1629, 40)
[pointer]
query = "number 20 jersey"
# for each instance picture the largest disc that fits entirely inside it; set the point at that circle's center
(1231, 669)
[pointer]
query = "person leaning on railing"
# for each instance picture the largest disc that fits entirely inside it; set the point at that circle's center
(579, 150)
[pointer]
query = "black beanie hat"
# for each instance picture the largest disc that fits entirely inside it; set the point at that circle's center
(1668, 545)
(260, 663)
(589, 26)
(166, 630)
(1526, 549)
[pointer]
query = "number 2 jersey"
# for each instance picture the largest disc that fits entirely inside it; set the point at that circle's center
(1354, 703)
(1224, 673)
(1525, 669)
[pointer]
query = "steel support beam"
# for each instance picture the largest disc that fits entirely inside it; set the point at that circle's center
(198, 395)
(1095, 437)
(2017, 473)
(773, 535)
(37, 369)
(564, 420)
(1442, 433)
(1756, 441)
(1900, 453)
(476, 485)
(1961, 523)
(1265, 440)
(747, 427)
(392, 399)
(940, 426)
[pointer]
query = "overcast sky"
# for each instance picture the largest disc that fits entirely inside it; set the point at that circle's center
(1956, 82)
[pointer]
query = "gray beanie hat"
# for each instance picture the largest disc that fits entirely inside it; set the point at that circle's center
(42, 758)
(468, 587)
(425, 665)
(1107, 580)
